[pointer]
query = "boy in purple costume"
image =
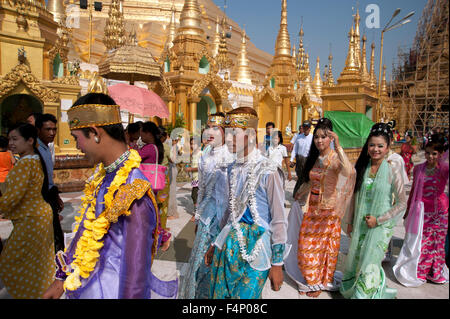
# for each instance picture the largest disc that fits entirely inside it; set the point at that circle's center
(123, 269)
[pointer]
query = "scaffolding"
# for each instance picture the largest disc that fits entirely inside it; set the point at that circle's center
(420, 82)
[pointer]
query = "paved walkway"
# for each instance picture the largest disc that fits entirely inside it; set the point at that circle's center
(172, 263)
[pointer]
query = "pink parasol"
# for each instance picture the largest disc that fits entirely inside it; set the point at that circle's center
(138, 101)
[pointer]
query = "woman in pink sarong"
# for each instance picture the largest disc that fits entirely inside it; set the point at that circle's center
(422, 256)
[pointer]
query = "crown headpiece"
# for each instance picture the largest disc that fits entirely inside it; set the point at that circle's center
(87, 115)
(241, 120)
(216, 120)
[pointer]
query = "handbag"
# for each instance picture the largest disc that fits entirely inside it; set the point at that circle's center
(155, 173)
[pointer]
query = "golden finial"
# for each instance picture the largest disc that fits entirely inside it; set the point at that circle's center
(317, 80)
(190, 19)
(114, 29)
(357, 39)
(216, 42)
(222, 58)
(283, 44)
(330, 78)
(364, 73)
(303, 69)
(243, 66)
(172, 29)
(383, 83)
(97, 84)
(372, 76)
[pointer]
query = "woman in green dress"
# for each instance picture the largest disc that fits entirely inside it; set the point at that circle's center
(379, 202)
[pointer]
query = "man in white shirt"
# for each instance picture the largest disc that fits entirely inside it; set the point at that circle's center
(294, 138)
(300, 153)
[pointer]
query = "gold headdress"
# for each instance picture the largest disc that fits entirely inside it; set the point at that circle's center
(241, 120)
(87, 115)
(216, 120)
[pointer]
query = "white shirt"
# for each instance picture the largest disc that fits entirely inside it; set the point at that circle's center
(294, 138)
(277, 154)
(302, 145)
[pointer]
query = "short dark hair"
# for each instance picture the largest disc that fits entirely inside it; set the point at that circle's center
(35, 115)
(40, 119)
(153, 129)
(134, 127)
(270, 124)
(115, 131)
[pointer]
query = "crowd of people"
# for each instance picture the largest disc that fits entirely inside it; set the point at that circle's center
(244, 234)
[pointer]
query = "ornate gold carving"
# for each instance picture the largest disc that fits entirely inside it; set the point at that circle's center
(70, 80)
(219, 86)
(258, 96)
(124, 197)
(22, 72)
(114, 29)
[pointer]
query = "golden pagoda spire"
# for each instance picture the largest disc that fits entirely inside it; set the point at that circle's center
(351, 63)
(223, 60)
(351, 71)
(216, 42)
(317, 80)
(172, 29)
(114, 30)
(364, 73)
(383, 83)
(307, 80)
(301, 49)
(330, 78)
(306, 68)
(283, 44)
(190, 19)
(243, 65)
(372, 76)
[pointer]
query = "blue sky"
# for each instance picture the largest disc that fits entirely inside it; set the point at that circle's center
(325, 22)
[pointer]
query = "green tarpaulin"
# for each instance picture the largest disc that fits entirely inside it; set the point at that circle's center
(352, 128)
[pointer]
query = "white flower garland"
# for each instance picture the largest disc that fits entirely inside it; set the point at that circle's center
(253, 210)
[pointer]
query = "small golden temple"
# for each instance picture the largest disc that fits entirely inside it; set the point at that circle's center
(52, 53)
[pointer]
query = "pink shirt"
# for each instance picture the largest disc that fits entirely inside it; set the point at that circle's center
(148, 154)
(433, 194)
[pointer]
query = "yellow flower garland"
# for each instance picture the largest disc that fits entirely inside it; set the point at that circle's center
(87, 251)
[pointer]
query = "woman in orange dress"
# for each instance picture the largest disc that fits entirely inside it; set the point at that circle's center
(329, 179)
